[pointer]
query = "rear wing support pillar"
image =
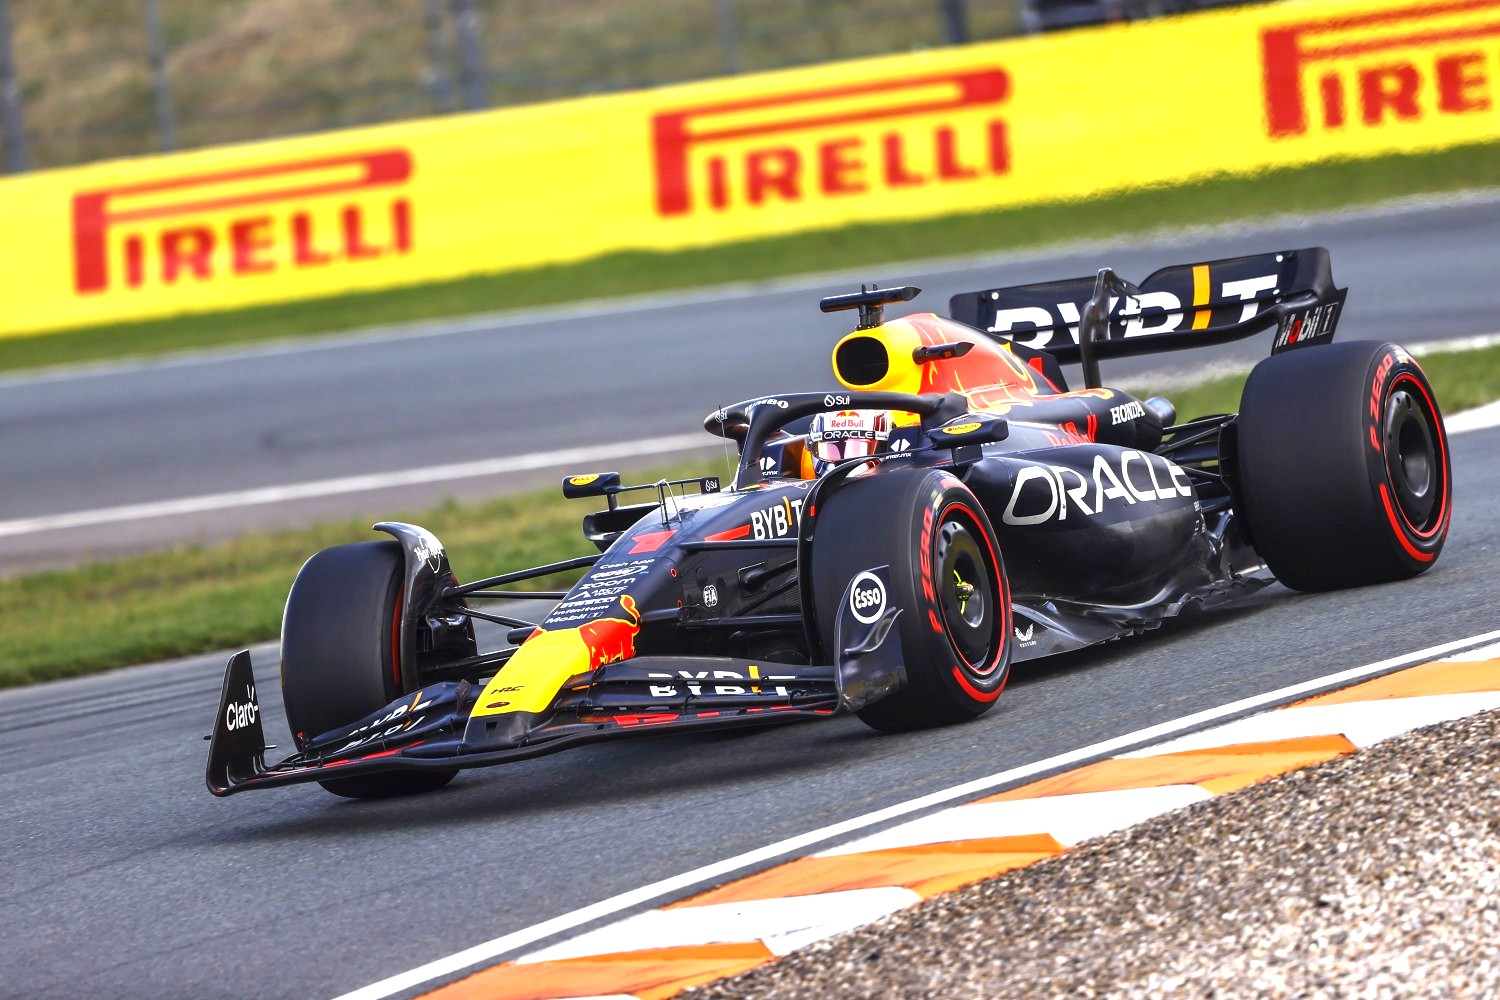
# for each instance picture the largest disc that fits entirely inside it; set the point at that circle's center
(1093, 324)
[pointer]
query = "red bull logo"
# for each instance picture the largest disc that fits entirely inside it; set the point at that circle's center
(236, 223)
(1403, 64)
(845, 419)
(548, 659)
(832, 142)
(610, 640)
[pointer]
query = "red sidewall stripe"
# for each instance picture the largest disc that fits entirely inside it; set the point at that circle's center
(1397, 517)
(973, 692)
(1002, 612)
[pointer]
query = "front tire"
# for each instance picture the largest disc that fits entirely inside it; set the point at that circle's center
(1343, 466)
(947, 576)
(340, 638)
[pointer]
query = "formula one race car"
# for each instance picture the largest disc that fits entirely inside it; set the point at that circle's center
(889, 548)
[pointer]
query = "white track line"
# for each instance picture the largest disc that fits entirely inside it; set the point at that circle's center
(782, 925)
(1477, 342)
(495, 948)
(356, 484)
(1477, 419)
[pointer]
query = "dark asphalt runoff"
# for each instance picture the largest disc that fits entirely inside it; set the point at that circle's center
(462, 391)
(127, 879)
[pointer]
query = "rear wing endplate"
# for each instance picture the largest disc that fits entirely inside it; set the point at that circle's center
(1186, 305)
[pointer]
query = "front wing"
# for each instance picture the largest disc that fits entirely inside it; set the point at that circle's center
(425, 730)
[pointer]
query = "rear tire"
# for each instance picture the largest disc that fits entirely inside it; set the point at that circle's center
(339, 655)
(935, 537)
(1343, 466)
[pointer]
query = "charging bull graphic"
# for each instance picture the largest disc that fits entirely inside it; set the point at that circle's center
(547, 659)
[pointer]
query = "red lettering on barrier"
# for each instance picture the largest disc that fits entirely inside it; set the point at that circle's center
(772, 170)
(896, 173)
(401, 222)
(135, 261)
(1389, 87)
(849, 161)
(304, 253)
(1411, 82)
(1461, 83)
(842, 167)
(949, 167)
(1333, 101)
(252, 240)
(186, 249)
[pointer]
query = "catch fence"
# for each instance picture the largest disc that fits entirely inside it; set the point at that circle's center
(93, 79)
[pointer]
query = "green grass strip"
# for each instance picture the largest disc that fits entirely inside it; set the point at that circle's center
(1219, 199)
(193, 599)
(197, 599)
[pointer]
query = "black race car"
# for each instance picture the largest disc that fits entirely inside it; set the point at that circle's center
(889, 548)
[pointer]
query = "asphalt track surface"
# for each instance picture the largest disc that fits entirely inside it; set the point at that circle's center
(126, 878)
(456, 392)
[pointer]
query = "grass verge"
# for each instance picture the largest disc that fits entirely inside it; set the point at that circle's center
(1218, 199)
(192, 600)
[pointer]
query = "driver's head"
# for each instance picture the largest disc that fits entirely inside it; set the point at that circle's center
(844, 434)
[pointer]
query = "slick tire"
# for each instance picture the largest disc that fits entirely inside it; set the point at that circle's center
(339, 659)
(935, 537)
(1343, 467)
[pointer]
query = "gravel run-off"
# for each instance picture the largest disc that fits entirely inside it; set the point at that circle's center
(1374, 875)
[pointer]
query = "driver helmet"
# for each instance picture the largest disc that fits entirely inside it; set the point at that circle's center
(844, 434)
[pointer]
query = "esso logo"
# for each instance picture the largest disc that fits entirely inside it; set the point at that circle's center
(867, 598)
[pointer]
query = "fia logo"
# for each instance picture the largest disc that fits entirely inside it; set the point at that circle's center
(710, 596)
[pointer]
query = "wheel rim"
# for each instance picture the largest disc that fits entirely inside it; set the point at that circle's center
(1411, 459)
(966, 594)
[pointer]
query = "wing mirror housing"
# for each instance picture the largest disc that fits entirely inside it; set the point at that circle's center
(971, 429)
(591, 484)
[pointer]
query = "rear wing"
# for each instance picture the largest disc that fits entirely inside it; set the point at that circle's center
(1186, 305)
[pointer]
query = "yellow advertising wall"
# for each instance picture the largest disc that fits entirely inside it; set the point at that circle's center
(905, 136)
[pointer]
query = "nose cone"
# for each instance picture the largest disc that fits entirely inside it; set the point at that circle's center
(499, 732)
(518, 698)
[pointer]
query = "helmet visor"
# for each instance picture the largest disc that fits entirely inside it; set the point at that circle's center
(837, 451)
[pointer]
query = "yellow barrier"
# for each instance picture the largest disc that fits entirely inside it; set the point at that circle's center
(899, 137)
